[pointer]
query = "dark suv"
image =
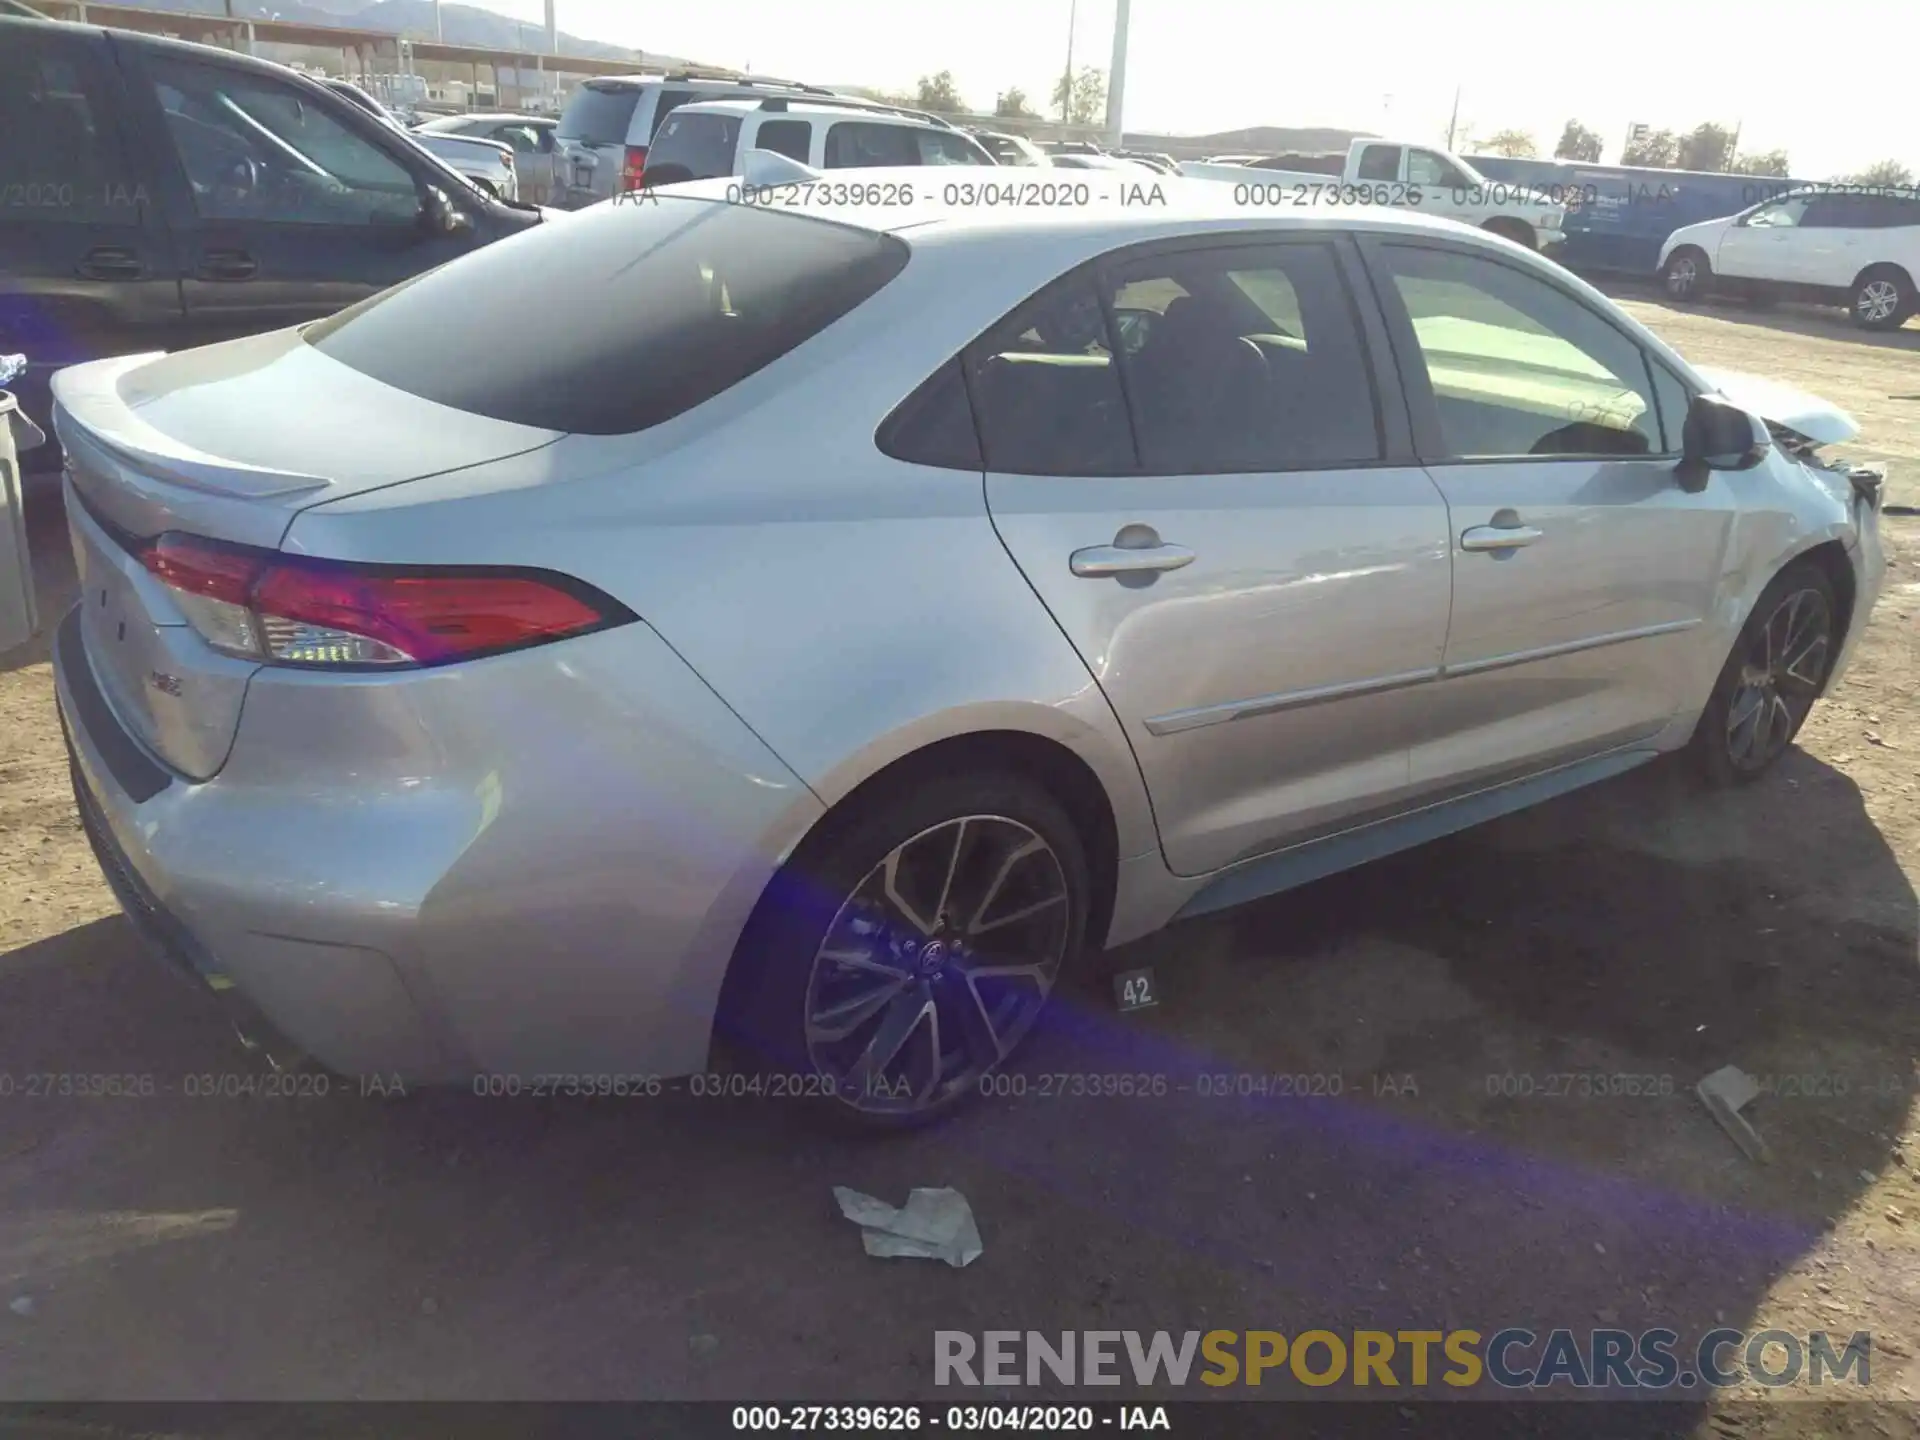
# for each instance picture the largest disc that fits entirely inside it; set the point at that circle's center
(156, 195)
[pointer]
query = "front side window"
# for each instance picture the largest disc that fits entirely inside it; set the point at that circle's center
(1780, 214)
(1046, 391)
(1517, 366)
(1244, 360)
(858, 144)
(944, 147)
(666, 306)
(1426, 168)
(256, 150)
(522, 138)
(60, 160)
(1380, 162)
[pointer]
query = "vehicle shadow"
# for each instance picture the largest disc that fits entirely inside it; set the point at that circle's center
(674, 1246)
(1823, 322)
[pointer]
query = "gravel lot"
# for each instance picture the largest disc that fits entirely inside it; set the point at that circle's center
(170, 1247)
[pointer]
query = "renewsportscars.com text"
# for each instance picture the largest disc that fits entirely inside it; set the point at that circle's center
(1512, 1358)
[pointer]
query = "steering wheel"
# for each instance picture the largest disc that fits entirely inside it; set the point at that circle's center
(241, 180)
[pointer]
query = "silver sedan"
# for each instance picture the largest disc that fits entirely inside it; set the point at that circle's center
(822, 621)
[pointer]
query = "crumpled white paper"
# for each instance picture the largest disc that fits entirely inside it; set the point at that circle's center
(933, 1225)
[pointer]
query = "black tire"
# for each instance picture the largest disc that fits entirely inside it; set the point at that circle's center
(773, 1004)
(1775, 666)
(1883, 298)
(1687, 276)
(1517, 231)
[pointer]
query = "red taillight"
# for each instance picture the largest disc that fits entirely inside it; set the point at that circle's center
(295, 610)
(633, 169)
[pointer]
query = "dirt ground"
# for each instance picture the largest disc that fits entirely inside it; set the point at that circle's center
(168, 1247)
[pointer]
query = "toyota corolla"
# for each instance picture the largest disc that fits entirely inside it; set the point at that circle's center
(815, 626)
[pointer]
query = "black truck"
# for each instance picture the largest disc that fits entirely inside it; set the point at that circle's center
(156, 195)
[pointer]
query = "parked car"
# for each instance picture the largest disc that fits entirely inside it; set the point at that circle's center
(712, 137)
(160, 195)
(1102, 162)
(1393, 173)
(600, 145)
(1618, 216)
(1011, 149)
(530, 137)
(488, 164)
(1165, 164)
(1173, 555)
(1838, 245)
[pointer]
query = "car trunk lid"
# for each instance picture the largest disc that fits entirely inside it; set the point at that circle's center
(214, 443)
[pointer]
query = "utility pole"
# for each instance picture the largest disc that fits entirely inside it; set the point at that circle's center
(1454, 119)
(439, 35)
(1117, 75)
(1066, 89)
(1733, 145)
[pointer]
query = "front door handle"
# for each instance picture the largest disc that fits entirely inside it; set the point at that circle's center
(1499, 537)
(1097, 560)
(111, 262)
(228, 265)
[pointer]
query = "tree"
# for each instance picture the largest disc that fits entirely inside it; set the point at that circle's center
(1087, 102)
(1577, 142)
(1885, 172)
(1773, 165)
(1012, 105)
(1706, 147)
(1516, 144)
(1656, 148)
(938, 92)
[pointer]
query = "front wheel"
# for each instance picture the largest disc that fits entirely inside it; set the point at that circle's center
(899, 963)
(1883, 298)
(1771, 679)
(1686, 276)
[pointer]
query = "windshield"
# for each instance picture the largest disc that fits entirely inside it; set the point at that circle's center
(666, 305)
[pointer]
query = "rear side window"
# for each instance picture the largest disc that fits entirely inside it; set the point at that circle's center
(856, 144)
(60, 159)
(704, 144)
(1046, 389)
(599, 115)
(791, 138)
(934, 425)
(667, 306)
(1380, 162)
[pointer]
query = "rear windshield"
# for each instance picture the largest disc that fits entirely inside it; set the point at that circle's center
(597, 116)
(703, 144)
(666, 304)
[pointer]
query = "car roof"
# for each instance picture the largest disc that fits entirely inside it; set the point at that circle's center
(1142, 206)
(502, 117)
(746, 105)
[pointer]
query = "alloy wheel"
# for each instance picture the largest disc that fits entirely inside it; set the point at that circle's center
(1780, 677)
(937, 964)
(1878, 301)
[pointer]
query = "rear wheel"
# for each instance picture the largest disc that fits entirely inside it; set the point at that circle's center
(896, 965)
(1687, 275)
(1883, 298)
(1771, 679)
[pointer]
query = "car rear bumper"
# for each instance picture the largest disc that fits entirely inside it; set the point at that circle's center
(489, 872)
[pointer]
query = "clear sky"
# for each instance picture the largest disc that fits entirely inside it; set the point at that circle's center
(1198, 66)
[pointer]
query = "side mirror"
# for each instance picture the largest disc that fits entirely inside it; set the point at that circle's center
(1718, 435)
(440, 216)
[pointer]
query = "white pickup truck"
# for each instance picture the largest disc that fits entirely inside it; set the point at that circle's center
(1396, 173)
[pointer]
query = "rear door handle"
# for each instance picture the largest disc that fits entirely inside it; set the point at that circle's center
(1097, 560)
(110, 262)
(1499, 537)
(228, 265)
